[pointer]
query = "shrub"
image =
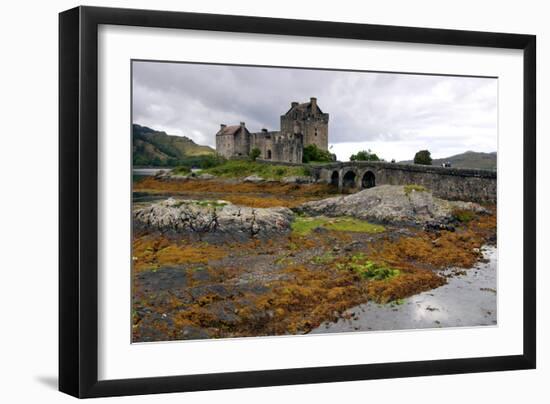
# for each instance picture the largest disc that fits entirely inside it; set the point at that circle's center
(423, 157)
(364, 155)
(313, 154)
(254, 153)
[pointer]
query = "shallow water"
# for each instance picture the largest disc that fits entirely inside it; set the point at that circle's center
(149, 171)
(465, 301)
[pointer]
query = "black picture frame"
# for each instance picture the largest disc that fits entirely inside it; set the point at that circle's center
(78, 201)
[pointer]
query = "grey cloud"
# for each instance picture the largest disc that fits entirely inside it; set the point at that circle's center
(193, 99)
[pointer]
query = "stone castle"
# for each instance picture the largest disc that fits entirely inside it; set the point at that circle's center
(302, 125)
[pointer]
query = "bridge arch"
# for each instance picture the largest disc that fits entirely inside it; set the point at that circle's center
(348, 180)
(335, 178)
(368, 180)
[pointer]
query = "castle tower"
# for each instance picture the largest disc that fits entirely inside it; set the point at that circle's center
(233, 141)
(309, 120)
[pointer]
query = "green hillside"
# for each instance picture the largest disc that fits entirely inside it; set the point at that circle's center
(155, 148)
(469, 159)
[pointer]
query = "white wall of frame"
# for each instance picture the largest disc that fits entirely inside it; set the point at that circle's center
(118, 359)
(28, 290)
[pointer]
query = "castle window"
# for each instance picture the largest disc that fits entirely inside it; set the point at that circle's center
(269, 154)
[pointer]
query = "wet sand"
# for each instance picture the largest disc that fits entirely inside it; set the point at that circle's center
(465, 301)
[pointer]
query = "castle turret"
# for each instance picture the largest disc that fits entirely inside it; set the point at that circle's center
(308, 120)
(313, 102)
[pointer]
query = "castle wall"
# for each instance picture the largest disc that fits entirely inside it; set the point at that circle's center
(288, 147)
(316, 132)
(262, 141)
(225, 145)
(277, 146)
(242, 143)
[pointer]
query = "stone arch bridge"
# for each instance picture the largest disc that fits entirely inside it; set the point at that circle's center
(444, 182)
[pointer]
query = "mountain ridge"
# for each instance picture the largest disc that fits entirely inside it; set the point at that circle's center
(468, 159)
(157, 148)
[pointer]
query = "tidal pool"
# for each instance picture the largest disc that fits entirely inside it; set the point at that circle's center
(465, 301)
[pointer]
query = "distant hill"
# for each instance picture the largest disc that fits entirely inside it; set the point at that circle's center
(155, 148)
(469, 159)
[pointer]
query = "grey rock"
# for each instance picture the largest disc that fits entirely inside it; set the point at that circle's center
(161, 173)
(191, 332)
(213, 217)
(206, 176)
(254, 179)
(294, 179)
(390, 204)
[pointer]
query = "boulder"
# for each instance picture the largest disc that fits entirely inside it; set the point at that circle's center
(161, 173)
(213, 218)
(390, 204)
(254, 179)
(298, 179)
(206, 176)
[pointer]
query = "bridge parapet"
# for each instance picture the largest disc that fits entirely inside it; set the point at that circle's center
(462, 172)
(444, 182)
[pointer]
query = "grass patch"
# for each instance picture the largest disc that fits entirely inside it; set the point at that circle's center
(369, 269)
(242, 168)
(414, 188)
(302, 226)
(206, 203)
(464, 216)
(355, 225)
(323, 259)
(211, 204)
(181, 170)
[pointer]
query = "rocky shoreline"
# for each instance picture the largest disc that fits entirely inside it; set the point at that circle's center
(386, 204)
(216, 259)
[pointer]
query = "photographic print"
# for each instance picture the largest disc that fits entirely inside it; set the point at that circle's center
(272, 201)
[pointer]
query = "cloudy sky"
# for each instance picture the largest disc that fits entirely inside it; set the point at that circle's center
(394, 115)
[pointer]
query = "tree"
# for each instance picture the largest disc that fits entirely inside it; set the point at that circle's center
(423, 157)
(254, 153)
(313, 153)
(364, 155)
